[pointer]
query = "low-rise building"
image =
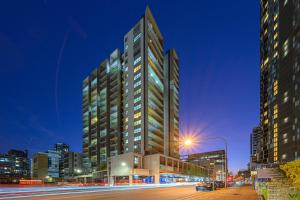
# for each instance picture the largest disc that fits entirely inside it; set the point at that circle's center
(45, 166)
(155, 168)
(72, 164)
(213, 161)
(14, 166)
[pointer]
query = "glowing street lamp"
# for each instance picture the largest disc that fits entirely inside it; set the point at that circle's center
(188, 142)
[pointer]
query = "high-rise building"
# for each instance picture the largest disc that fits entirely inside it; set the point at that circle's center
(279, 81)
(102, 113)
(171, 104)
(14, 166)
(144, 87)
(131, 101)
(254, 143)
(62, 149)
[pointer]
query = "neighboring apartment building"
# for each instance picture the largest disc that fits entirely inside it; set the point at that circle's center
(131, 101)
(14, 166)
(72, 165)
(279, 81)
(213, 161)
(171, 104)
(62, 148)
(254, 143)
(45, 166)
(102, 114)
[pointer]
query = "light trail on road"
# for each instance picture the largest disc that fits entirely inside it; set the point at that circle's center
(17, 193)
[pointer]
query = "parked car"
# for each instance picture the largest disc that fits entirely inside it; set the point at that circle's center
(204, 186)
(219, 184)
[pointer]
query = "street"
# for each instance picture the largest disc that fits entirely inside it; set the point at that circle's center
(129, 193)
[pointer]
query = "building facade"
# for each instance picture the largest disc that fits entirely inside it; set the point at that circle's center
(14, 166)
(213, 161)
(62, 148)
(72, 165)
(279, 81)
(45, 166)
(102, 114)
(171, 104)
(153, 168)
(131, 101)
(254, 144)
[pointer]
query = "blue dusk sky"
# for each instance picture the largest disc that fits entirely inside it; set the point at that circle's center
(48, 47)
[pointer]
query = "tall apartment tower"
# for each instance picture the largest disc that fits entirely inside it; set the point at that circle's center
(102, 116)
(144, 88)
(279, 81)
(131, 102)
(171, 104)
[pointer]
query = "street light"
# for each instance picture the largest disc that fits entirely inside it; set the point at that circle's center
(188, 142)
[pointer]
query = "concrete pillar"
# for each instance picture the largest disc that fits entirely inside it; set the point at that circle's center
(156, 179)
(111, 180)
(130, 179)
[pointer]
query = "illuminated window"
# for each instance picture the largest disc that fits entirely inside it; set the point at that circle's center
(275, 88)
(137, 76)
(137, 130)
(286, 47)
(137, 37)
(137, 138)
(286, 119)
(137, 60)
(137, 68)
(137, 84)
(138, 122)
(275, 36)
(275, 113)
(266, 17)
(275, 26)
(266, 61)
(137, 115)
(138, 91)
(137, 99)
(137, 107)
(275, 137)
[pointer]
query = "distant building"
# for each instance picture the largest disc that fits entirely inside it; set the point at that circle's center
(14, 166)
(244, 174)
(40, 166)
(72, 165)
(45, 166)
(254, 144)
(213, 161)
(62, 148)
(279, 81)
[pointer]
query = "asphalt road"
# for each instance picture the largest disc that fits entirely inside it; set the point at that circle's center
(172, 193)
